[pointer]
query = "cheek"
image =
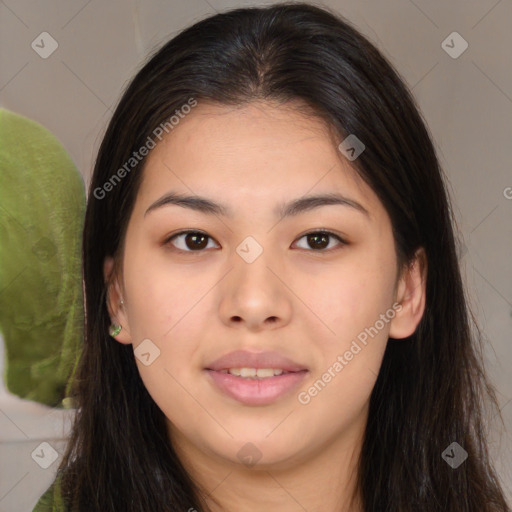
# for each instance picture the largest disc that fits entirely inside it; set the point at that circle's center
(160, 295)
(349, 360)
(166, 306)
(170, 379)
(349, 298)
(354, 304)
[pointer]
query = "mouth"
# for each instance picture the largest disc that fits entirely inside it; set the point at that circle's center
(255, 373)
(255, 386)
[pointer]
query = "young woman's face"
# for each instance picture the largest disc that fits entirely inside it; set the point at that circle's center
(251, 280)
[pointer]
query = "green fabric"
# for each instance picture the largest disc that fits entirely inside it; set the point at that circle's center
(51, 500)
(42, 206)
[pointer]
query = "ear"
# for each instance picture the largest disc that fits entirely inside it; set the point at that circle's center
(116, 309)
(411, 295)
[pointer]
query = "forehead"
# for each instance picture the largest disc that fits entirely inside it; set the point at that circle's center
(248, 153)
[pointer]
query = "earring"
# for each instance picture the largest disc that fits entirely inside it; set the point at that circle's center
(121, 302)
(114, 330)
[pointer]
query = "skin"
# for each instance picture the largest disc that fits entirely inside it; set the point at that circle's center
(307, 304)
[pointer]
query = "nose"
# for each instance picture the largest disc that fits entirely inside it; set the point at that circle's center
(255, 295)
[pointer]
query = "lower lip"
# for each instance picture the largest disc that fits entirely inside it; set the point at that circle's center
(257, 391)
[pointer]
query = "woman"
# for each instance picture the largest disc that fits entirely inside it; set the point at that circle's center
(275, 313)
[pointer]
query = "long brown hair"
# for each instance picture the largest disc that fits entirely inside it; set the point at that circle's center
(431, 387)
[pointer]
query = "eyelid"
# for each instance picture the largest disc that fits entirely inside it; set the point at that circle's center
(326, 231)
(168, 239)
(342, 241)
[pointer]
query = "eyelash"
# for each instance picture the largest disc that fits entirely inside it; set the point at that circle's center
(168, 240)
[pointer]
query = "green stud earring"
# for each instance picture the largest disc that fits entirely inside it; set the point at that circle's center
(114, 330)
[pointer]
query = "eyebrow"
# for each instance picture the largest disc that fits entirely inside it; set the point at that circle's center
(290, 209)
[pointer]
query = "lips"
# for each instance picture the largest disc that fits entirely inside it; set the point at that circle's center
(254, 392)
(258, 360)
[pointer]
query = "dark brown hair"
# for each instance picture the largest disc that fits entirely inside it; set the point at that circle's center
(431, 389)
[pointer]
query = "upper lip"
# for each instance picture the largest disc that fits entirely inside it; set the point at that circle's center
(246, 359)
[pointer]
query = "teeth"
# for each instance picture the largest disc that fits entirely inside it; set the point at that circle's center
(261, 373)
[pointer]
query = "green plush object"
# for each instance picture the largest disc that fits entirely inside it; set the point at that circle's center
(42, 206)
(51, 500)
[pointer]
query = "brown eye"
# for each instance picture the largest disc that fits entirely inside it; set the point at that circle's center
(190, 241)
(319, 240)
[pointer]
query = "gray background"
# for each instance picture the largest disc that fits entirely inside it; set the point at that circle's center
(466, 101)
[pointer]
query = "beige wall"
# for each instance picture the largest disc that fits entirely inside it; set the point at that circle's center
(467, 102)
